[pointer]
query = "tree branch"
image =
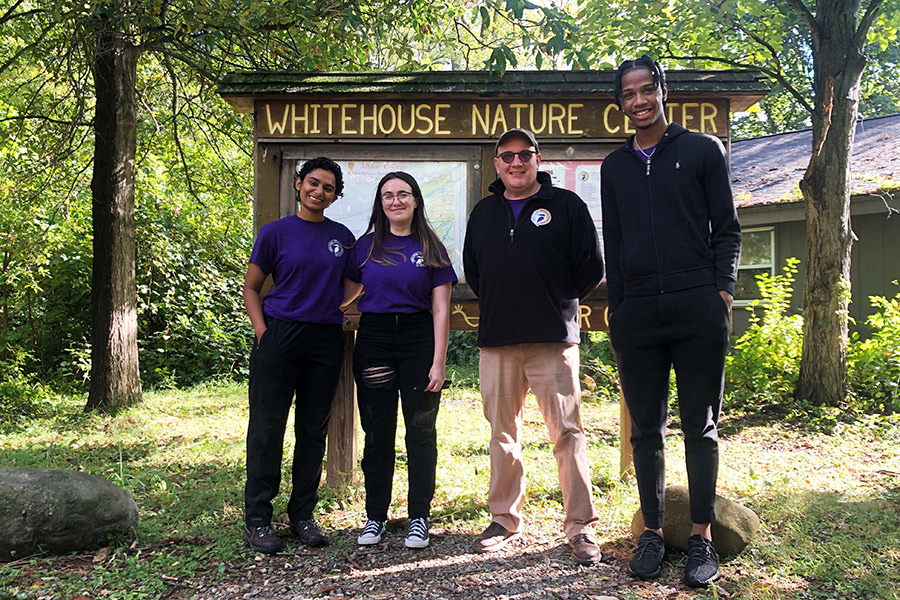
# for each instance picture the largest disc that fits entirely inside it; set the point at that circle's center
(735, 24)
(819, 141)
(776, 75)
(48, 120)
(26, 48)
(9, 16)
(184, 165)
(859, 38)
(808, 18)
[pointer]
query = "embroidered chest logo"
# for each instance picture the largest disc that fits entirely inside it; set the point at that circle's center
(417, 259)
(336, 248)
(541, 217)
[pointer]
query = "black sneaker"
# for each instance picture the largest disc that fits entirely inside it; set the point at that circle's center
(647, 560)
(309, 532)
(702, 563)
(263, 539)
(417, 536)
(371, 533)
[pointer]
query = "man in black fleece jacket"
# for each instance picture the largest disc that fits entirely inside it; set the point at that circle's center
(672, 242)
(531, 252)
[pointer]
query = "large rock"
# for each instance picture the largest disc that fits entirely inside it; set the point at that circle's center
(48, 510)
(734, 527)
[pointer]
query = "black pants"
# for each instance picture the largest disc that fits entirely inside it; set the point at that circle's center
(292, 358)
(687, 330)
(394, 353)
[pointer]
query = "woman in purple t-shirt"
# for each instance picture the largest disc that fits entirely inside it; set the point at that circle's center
(401, 348)
(298, 349)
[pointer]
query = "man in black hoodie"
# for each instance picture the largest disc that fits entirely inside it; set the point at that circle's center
(531, 252)
(672, 242)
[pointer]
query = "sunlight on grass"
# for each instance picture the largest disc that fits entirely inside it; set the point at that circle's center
(829, 504)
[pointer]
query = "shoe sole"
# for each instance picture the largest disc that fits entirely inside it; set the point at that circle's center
(587, 561)
(369, 542)
(702, 584)
(494, 548)
(263, 551)
(653, 575)
(417, 544)
(315, 544)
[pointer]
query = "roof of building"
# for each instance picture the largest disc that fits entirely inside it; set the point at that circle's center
(767, 170)
(743, 87)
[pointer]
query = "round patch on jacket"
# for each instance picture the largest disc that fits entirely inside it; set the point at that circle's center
(336, 248)
(541, 217)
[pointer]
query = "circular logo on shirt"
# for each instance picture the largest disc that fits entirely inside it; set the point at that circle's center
(417, 259)
(336, 248)
(541, 217)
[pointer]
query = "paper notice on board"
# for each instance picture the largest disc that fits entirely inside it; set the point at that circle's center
(557, 174)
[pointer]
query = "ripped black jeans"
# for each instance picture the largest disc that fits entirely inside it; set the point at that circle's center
(394, 353)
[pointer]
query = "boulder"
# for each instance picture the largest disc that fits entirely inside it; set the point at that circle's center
(734, 527)
(49, 510)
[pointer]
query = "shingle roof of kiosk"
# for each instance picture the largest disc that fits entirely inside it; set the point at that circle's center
(742, 87)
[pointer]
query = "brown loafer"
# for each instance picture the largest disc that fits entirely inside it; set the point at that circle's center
(493, 538)
(584, 550)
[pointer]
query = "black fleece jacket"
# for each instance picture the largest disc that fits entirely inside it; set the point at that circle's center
(529, 274)
(671, 226)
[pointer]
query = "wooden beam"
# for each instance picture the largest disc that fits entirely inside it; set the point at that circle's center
(341, 462)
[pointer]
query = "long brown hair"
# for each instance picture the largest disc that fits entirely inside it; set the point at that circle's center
(433, 250)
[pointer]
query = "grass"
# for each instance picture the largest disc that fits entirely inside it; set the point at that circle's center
(829, 503)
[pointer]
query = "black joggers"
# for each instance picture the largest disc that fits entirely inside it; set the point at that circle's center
(292, 358)
(687, 330)
(393, 354)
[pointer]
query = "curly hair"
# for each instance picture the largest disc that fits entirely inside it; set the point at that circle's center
(322, 163)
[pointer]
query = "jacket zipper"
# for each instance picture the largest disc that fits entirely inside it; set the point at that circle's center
(653, 226)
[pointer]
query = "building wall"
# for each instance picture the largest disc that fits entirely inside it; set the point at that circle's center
(875, 257)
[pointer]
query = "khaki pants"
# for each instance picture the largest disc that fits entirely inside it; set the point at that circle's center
(551, 371)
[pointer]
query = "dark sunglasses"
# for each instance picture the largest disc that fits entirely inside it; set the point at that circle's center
(524, 156)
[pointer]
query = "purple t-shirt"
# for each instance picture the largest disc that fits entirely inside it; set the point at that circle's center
(646, 155)
(307, 262)
(401, 288)
(517, 206)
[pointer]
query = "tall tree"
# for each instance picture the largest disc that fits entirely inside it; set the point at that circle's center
(754, 33)
(201, 40)
(115, 377)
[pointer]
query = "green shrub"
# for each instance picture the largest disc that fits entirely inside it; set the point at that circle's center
(874, 363)
(462, 351)
(762, 370)
(598, 365)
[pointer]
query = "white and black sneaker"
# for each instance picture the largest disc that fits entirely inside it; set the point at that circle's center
(371, 534)
(417, 536)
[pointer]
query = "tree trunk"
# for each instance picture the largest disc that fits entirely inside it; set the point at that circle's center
(115, 379)
(839, 64)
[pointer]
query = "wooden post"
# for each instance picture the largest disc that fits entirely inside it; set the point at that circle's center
(341, 466)
(626, 454)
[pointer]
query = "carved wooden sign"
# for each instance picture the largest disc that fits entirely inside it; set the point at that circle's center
(425, 118)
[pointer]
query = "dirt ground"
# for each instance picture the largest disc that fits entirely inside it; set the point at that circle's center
(536, 566)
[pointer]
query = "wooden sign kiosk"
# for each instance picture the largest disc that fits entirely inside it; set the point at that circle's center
(441, 127)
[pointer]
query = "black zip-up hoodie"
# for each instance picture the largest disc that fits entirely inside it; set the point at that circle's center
(671, 225)
(529, 274)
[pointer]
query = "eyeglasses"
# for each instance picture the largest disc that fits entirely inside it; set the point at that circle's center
(401, 196)
(524, 156)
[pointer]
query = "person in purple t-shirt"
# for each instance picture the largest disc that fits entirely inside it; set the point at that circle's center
(298, 349)
(401, 347)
